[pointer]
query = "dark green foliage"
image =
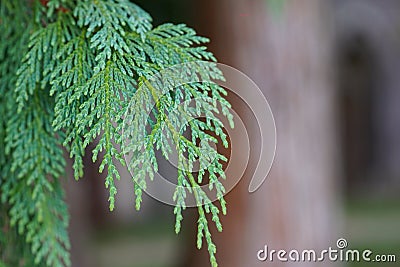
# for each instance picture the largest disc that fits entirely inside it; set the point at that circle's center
(70, 73)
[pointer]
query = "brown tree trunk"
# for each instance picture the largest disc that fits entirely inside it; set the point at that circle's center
(287, 53)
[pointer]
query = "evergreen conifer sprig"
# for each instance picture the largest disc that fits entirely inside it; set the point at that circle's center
(73, 72)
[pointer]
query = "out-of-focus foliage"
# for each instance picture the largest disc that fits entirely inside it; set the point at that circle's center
(275, 6)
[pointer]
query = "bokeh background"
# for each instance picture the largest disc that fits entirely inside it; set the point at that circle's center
(331, 73)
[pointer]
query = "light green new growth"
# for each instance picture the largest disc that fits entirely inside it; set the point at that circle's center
(70, 73)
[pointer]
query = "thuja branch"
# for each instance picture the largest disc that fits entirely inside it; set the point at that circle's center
(83, 64)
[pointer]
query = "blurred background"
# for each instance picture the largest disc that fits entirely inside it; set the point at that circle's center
(330, 71)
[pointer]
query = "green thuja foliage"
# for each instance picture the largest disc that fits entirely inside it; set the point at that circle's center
(70, 73)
